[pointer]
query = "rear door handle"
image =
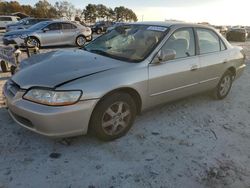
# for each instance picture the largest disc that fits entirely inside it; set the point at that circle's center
(194, 67)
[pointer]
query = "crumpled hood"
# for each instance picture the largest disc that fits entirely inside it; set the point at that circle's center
(58, 67)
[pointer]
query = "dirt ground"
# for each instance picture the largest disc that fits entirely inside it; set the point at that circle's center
(195, 142)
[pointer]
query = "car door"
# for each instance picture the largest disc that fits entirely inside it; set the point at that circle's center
(212, 57)
(51, 35)
(68, 33)
(178, 77)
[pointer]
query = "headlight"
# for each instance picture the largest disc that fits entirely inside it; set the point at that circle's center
(53, 98)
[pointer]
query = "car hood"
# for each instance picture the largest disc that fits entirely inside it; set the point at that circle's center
(18, 32)
(56, 68)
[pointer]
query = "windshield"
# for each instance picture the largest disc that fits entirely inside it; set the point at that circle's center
(39, 25)
(131, 43)
(23, 20)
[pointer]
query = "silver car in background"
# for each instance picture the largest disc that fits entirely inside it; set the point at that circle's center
(103, 86)
(25, 23)
(51, 33)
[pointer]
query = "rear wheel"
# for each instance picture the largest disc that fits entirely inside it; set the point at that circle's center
(13, 69)
(243, 39)
(4, 66)
(80, 41)
(98, 31)
(224, 86)
(113, 117)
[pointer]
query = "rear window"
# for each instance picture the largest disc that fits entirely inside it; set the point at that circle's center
(68, 26)
(208, 41)
(5, 19)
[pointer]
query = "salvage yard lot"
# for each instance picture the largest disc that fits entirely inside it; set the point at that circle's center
(194, 142)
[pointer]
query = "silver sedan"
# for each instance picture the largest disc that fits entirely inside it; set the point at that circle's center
(103, 86)
(50, 33)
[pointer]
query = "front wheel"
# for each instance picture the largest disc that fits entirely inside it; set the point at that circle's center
(4, 66)
(99, 31)
(33, 42)
(113, 116)
(224, 86)
(80, 41)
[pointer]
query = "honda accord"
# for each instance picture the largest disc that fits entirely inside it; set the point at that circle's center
(103, 86)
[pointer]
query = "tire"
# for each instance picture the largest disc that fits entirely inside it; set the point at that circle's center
(113, 116)
(243, 39)
(12, 70)
(98, 31)
(80, 41)
(4, 66)
(33, 42)
(224, 86)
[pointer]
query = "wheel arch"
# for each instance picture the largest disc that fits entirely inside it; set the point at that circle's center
(37, 38)
(131, 91)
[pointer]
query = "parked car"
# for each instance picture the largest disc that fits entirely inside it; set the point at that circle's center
(50, 33)
(25, 23)
(100, 27)
(237, 34)
(248, 31)
(222, 29)
(114, 26)
(103, 86)
(5, 20)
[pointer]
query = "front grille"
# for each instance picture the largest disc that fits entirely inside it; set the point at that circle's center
(12, 88)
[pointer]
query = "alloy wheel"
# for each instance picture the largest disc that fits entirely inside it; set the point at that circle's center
(80, 41)
(225, 85)
(116, 118)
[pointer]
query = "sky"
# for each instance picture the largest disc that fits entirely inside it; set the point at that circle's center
(217, 12)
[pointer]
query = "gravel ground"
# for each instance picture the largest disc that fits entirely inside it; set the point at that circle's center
(194, 142)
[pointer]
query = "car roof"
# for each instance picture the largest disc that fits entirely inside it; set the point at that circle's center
(172, 23)
(58, 21)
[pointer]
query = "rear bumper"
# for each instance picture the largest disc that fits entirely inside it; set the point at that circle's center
(50, 121)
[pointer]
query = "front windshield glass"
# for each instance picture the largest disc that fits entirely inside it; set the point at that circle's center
(39, 25)
(131, 43)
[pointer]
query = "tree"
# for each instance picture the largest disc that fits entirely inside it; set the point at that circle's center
(102, 11)
(111, 15)
(10, 7)
(90, 13)
(27, 9)
(43, 9)
(65, 9)
(124, 14)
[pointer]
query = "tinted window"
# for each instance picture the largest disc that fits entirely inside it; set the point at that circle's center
(33, 21)
(5, 19)
(208, 41)
(54, 26)
(68, 26)
(182, 41)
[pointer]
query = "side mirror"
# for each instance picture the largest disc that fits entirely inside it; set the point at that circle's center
(165, 55)
(45, 29)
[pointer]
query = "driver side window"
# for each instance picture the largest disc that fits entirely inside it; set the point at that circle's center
(182, 42)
